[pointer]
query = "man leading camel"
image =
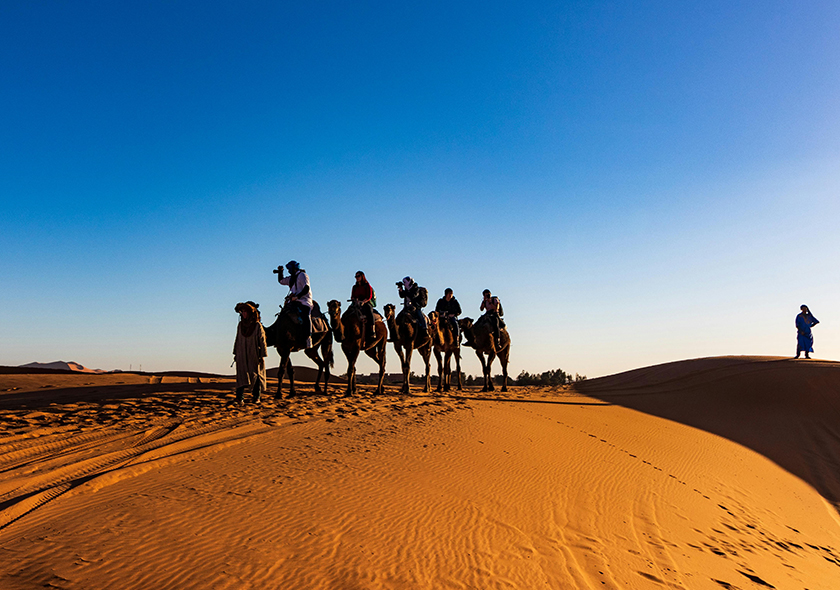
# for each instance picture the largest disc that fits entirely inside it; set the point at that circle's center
(300, 294)
(249, 352)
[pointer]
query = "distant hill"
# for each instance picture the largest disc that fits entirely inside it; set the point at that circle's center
(62, 366)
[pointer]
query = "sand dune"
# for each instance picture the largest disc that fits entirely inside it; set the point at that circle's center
(787, 410)
(61, 366)
(631, 481)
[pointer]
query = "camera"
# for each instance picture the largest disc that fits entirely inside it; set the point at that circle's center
(278, 270)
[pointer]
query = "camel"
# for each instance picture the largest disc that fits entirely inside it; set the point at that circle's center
(285, 334)
(406, 337)
(479, 335)
(445, 341)
(349, 329)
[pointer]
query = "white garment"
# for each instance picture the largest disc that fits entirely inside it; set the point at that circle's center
(301, 281)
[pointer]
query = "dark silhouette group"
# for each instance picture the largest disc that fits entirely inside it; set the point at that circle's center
(301, 325)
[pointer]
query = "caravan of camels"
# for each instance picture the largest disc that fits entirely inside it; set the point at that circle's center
(302, 326)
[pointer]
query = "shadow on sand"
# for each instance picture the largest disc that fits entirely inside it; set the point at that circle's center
(786, 410)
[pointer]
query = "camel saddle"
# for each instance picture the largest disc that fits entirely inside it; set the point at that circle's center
(483, 319)
(320, 324)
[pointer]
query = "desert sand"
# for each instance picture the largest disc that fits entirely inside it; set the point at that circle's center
(703, 474)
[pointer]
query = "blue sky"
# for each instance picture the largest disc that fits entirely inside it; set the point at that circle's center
(638, 183)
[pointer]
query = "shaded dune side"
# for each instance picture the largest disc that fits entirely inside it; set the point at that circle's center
(789, 411)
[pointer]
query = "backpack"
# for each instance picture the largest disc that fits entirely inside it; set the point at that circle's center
(422, 296)
(373, 297)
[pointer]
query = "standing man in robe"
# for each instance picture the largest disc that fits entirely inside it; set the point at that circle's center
(804, 337)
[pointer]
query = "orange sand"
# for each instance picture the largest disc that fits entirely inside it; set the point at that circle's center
(713, 473)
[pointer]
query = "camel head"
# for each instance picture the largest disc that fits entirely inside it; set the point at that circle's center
(433, 318)
(465, 324)
(334, 308)
(389, 311)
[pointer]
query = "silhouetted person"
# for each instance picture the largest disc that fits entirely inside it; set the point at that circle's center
(414, 299)
(449, 310)
(249, 352)
(300, 296)
(804, 337)
(362, 294)
(492, 308)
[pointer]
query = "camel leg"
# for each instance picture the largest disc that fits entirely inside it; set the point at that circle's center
(491, 356)
(406, 367)
(504, 355)
(427, 358)
(281, 370)
(312, 353)
(480, 356)
(291, 370)
(381, 388)
(377, 353)
(457, 354)
(352, 355)
(447, 370)
(400, 354)
(327, 355)
(440, 386)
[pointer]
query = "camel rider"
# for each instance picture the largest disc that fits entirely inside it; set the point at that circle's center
(300, 295)
(492, 308)
(449, 308)
(362, 294)
(413, 297)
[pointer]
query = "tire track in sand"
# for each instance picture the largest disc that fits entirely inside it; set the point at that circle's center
(55, 467)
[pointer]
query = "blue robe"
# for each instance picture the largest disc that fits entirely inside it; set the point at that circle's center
(804, 337)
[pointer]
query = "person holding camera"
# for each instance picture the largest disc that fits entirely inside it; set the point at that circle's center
(414, 297)
(300, 295)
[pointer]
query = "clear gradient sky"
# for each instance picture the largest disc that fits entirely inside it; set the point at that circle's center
(639, 182)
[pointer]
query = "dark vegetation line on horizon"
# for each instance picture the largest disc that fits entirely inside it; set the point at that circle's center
(553, 377)
(547, 378)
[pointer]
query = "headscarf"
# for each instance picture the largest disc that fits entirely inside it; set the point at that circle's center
(248, 324)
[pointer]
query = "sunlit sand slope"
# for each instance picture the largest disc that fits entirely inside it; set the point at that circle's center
(530, 489)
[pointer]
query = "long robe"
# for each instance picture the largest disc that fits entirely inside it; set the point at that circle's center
(250, 352)
(804, 337)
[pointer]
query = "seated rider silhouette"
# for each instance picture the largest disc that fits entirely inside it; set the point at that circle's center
(493, 310)
(300, 296)
(413, 299)
(449, 309)
(362, 294)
